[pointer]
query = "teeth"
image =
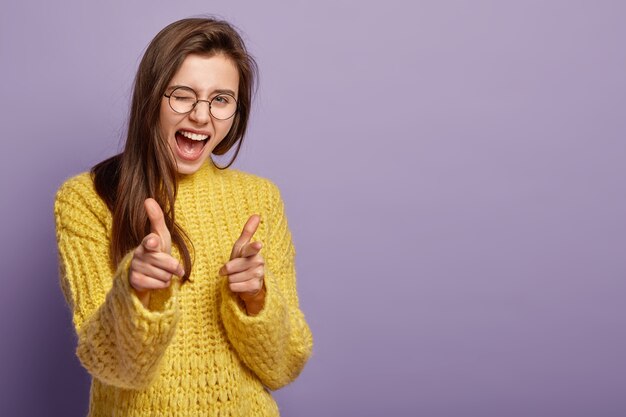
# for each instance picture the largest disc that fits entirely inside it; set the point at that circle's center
(193, 136)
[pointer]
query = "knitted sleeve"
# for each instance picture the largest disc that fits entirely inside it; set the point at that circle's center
(119, 341)
(276, 343)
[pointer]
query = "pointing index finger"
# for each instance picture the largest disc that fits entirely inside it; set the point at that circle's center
(157, 222)
(248, 231)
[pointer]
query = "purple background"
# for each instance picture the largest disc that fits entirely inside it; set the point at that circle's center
(453, 173)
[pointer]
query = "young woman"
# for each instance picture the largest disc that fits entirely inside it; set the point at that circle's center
(180, 274)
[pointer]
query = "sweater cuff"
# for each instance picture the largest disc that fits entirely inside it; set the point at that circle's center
(261, 340)
(123, 343)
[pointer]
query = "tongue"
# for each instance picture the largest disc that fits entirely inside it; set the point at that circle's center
(188, 146)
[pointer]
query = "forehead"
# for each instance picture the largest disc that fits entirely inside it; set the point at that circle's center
(207, 73)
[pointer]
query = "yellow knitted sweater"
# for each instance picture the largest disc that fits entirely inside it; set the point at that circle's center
(194, 351)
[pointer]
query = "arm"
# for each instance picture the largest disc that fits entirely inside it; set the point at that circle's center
(275, 343)
(120, 342)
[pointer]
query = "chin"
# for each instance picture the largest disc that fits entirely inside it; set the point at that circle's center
(187, 168)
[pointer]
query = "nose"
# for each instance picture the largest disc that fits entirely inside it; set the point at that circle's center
(201, 113)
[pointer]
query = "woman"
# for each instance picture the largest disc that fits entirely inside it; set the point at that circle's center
(180, 274)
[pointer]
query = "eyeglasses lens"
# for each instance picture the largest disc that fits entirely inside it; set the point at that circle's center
(183, 100)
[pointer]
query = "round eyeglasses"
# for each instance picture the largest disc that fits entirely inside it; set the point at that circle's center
(183, 100)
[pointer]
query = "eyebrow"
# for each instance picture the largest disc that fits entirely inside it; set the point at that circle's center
(216, 91)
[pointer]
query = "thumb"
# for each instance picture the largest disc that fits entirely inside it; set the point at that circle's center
(157, 223)
(246, 235)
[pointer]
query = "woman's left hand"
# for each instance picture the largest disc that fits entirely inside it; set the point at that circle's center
(245, 270)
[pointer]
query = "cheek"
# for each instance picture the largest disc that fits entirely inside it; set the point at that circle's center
(164, 131)
(168, 120)
(226, 127)
(168, 125)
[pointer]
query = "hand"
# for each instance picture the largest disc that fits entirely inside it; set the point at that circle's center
(245, 269)
(152, 265)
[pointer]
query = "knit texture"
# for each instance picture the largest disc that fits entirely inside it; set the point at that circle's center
(194, 351)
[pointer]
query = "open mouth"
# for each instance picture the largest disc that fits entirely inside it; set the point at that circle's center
(190, 145)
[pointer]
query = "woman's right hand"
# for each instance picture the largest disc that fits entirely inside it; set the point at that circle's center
(152, 265)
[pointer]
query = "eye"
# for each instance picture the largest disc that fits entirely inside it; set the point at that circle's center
(221, 100)
(183, 98)
(184, 95)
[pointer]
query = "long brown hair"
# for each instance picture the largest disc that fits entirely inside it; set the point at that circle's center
(146, 168)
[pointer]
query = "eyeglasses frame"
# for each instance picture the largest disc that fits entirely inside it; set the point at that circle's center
(198, 100)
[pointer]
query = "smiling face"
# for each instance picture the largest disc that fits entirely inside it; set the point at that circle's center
(193, 136)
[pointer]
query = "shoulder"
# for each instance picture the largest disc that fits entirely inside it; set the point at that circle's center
(257, 194)
(77, 198)
(75, 183)
(254, 185)
(78, 187)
